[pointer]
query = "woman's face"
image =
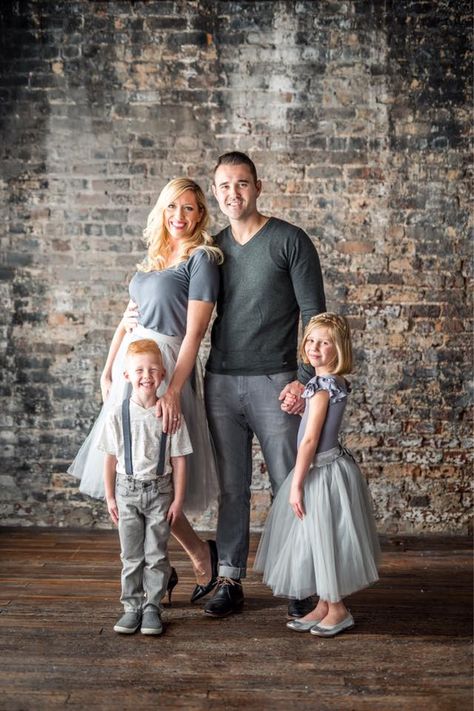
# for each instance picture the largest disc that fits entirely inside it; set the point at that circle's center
(182, 215)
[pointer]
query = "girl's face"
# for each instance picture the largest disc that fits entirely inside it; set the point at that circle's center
(321, 351)
(182, 215)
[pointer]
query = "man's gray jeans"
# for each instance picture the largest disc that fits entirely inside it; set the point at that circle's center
(239, 406)
(144, 533)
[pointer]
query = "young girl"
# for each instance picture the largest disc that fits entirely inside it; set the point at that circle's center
(325, 541)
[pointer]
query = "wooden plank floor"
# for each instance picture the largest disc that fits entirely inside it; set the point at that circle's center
(411, 648)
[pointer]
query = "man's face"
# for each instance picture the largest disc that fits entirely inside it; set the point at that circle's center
(236, 191)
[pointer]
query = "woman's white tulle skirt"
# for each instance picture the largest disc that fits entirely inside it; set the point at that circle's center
(201, 487)
(334, 550)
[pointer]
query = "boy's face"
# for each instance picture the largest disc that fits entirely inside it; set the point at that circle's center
(145, 372)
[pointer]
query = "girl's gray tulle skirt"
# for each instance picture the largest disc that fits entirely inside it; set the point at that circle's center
(334, 550)
(201, 479)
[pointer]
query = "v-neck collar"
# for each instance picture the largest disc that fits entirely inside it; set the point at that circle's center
(257, 234)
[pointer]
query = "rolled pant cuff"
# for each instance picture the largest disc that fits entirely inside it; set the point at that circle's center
(152, 606)
(127, 607)
(227, 571)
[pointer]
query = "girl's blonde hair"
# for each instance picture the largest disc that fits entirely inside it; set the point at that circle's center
(340, 334)
(156, 235)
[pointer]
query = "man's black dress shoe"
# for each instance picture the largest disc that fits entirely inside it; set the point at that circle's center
(201, 590)
(300, 608)
(228, 598)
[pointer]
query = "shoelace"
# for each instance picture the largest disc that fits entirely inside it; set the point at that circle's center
(222, 580)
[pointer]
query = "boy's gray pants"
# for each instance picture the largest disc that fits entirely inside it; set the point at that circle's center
(239, 406)
(144, 533)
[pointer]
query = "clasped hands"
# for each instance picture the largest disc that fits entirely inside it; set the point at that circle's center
(290, 398)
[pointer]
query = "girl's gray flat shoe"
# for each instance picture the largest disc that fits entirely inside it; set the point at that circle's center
(299, 626)
(346, 624)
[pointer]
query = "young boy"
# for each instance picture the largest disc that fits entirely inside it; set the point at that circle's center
(141, 500)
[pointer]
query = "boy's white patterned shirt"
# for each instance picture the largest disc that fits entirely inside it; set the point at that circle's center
(146, 429)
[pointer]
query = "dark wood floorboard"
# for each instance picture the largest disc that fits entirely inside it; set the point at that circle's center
(411, 648)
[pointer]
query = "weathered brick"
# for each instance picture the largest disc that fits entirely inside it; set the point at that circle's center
(357, 115)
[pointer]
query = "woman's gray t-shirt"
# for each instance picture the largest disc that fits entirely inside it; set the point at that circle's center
(162, 296)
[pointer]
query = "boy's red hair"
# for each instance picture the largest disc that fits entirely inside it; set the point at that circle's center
(144, 345)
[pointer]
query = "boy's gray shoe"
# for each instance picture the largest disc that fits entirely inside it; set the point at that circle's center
(128, 623)
(151, 621)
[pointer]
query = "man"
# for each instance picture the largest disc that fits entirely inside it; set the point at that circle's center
(270, 275)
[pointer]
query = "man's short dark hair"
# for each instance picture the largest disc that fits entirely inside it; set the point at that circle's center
(237, 158)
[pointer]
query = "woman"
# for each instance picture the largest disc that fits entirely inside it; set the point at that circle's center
(175, 289)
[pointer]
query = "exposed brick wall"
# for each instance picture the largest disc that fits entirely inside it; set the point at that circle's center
(357, 115)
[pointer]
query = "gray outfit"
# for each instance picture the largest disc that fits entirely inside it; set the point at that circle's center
(143, 501)
(162, 298)
(333, 551)
(265, 285)
(144, 533)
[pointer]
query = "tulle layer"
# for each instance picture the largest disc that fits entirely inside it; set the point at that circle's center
(201, 487)
(333, 551)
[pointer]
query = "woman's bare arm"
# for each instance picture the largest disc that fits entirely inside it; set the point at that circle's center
(198, 317)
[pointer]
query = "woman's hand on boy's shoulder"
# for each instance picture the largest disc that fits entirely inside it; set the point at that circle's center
(168, 407)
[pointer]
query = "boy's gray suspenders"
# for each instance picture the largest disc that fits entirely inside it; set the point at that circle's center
(127, 442)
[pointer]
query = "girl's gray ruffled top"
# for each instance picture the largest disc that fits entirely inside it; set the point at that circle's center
(338, 389)
(162, 296)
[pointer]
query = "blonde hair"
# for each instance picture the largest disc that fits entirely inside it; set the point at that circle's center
(144, 345)
(340, 334)
(156, 235)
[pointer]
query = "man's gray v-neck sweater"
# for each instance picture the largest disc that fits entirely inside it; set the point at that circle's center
(265, 284)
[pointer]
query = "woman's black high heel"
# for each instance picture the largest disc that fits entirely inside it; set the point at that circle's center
(172, 583)
(202, 590)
